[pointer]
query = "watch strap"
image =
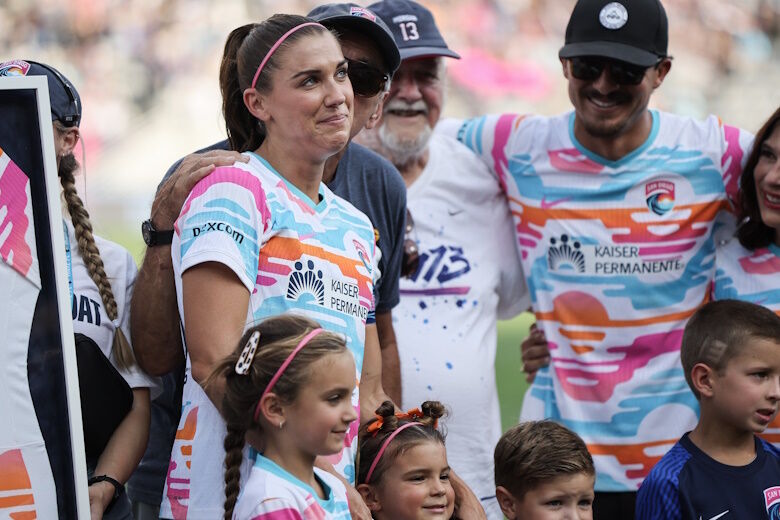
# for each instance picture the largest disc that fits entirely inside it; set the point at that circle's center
(118, 488)
(153, 237)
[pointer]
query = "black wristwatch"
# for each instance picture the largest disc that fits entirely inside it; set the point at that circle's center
(152, 237)
(118, 488)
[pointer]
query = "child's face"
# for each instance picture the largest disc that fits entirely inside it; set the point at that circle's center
(416, 486)
(746, 394)
(569, 497)
(322, 411)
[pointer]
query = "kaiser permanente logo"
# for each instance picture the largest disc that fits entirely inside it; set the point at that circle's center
(307, 282)
(567, 255)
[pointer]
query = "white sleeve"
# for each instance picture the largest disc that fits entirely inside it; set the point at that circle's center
(513, 295)
(224, 220)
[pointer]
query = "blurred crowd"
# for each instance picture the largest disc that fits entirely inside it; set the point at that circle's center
(147, 69)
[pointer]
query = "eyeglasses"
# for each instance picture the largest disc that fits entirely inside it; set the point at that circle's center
(411, 257)
(589, 68)
(366, 80)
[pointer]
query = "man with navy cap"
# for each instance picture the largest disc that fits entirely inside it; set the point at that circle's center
(465, 277)
(615, 208)
(362, 177)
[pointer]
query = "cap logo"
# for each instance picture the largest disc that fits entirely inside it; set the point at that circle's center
(404, 18)
(362, 13)
(613, 15)
(14, 68)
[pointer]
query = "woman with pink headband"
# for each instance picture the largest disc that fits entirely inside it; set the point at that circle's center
(259, 238)
(292, 381)
(404, 474)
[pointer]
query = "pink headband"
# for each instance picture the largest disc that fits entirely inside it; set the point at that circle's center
(284, 366)
(276, 46)
(384, 447)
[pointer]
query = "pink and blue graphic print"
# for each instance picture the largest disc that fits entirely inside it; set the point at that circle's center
(17, 233)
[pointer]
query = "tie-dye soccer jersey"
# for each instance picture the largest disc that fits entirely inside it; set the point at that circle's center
(292, 255)
(618, 255)
(272, 493)
(752, 276)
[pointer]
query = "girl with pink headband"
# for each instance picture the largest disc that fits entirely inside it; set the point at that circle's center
(291, 381)
(403, 472)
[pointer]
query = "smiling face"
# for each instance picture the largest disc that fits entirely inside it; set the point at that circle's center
(416, 486)
(767, 180)
(322, 411)
(606, 109)
(568, 497)
(309, 104)
(746, 392)
(412, 108)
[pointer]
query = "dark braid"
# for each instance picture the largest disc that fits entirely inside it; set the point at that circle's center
(234, 449)
(123, 352)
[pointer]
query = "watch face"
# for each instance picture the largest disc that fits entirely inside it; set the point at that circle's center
(146, 232)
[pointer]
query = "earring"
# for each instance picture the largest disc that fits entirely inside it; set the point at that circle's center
(281, 423)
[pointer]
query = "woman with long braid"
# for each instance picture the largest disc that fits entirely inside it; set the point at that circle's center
(101, 275)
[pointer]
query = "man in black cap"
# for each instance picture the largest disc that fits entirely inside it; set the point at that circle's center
(362, 177)
(466, 274)
(615, 208)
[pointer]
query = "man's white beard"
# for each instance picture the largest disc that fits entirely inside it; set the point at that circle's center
(403, 150)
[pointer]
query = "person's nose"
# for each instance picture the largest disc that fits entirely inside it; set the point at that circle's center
(350, 414)
(337, 92)
(406, 88)
(604, 83)
(774, 389)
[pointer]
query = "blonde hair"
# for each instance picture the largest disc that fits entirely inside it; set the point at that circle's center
(88, 249)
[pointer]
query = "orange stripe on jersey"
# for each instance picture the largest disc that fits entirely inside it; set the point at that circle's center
(23, 515)
(622, 218)
(16, 501)
(13, 472)
(578, 308)
(187, 432)
(632, 455)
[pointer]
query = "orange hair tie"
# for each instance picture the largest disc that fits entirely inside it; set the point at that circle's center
(414, 415)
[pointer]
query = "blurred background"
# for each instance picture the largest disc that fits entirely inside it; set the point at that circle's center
(146, 71)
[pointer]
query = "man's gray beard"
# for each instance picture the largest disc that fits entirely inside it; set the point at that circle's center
(402, 152)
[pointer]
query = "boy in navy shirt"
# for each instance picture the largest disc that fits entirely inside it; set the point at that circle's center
(721, 470)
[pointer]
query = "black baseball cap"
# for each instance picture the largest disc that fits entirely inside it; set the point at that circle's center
(414, 29)
(361, 20)
(634, 31)
(63, 97)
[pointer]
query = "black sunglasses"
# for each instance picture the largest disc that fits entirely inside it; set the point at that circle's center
(589, 68)
(410, 261)
(366, 80)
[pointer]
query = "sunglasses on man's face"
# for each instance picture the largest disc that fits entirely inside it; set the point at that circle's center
(589, 68)
(366, 80)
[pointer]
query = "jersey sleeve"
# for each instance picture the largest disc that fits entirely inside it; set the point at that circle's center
(488, 137)
(275, 509)
(376, 255)
(225, 220)
(735, 149)
(658, 497)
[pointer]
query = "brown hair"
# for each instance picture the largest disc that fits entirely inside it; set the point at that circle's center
(753, 233)
(88, 249)
(535, 452)
(371, 442)
(245, 48)
(719, 330)
(278, 338)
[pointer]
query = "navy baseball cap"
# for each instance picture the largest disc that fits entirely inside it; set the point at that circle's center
(63, 97)
(414, 29)
(634, 31)
(361, 20)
